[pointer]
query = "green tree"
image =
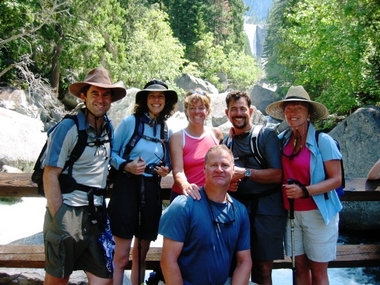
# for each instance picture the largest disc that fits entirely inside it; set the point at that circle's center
(152, 51)
(330, 47)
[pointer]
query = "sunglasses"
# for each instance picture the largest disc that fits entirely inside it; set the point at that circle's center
(199, 92)
(224, 217)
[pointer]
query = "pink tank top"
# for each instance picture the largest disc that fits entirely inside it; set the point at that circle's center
(298, 168)
(194, 151)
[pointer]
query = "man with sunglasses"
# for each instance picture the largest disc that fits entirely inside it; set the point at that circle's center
(202, 237)
(72, 221)
(257, 184)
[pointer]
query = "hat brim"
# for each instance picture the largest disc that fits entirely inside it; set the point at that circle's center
(276, 109)
(117, 92)
(170, 95)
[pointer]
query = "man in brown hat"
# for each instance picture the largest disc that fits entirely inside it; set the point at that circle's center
(75, 194)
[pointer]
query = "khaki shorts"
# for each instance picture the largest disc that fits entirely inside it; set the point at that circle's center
(71, 243)
(312, 236)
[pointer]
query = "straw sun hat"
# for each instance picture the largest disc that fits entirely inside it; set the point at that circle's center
(297, 94)
(98, 77)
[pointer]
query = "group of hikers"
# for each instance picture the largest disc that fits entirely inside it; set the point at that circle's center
(238, 202)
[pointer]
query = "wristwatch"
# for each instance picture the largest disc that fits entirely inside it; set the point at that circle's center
(247, 173)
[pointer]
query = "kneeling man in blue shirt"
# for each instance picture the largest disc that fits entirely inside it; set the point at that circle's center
(202, 237)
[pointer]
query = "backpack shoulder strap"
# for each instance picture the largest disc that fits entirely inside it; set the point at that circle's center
(80, 145)
(136, 136)
(255, 145)
(164, 131)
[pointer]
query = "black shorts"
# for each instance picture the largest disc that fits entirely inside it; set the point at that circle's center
(134, 212)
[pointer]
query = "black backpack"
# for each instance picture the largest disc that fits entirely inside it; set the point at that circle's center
(65, 179)
(138, 133)
(340, 190)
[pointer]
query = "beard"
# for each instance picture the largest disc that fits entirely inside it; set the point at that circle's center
(239, 126)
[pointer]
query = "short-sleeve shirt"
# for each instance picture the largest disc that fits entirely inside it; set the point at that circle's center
(208, 246)
(150, 151)
(90, 169)
(270, 148)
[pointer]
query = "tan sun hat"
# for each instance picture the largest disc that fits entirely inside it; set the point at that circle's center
(297, 93)
(98, 77)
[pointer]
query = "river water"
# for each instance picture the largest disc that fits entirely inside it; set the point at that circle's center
(24, 219)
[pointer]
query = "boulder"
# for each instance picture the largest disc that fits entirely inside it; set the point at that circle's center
(262, 96)
(21, 140)
(359, 137)
(189, 82)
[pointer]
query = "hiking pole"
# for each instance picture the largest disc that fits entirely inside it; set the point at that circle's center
(291, 218)
(141, 205)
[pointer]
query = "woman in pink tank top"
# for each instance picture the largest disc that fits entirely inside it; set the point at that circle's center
(189, 146)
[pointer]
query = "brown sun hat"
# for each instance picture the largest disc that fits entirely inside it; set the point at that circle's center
(98, 77)
(159, 86)
(297, 93)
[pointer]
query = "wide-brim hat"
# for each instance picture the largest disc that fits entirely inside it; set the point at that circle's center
(297, 93)
(98, 77)
(158, 86)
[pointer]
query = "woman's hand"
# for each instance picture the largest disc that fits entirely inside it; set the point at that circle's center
(136, 167)
(162, 170)
(191, 190)
(293, 191)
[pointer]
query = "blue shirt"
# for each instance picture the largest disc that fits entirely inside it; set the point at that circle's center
(326, 151)
(91, 168)
(211, 234)
(150, 151)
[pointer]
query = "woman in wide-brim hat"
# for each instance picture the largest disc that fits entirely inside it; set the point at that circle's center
(135, 205)
(311, 172)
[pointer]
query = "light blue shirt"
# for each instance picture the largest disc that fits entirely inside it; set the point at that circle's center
(150, 151)
(90, 169)
(327, 150)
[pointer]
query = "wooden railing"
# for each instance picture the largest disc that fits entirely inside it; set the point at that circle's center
(32, 256)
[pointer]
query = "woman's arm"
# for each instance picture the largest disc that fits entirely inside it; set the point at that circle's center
(333, 181)
(176, 157)
(374, 173)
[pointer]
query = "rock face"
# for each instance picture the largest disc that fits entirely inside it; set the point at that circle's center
(359, 137)
(21, 140)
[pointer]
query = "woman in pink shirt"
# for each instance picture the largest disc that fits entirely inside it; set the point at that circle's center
(189, 146)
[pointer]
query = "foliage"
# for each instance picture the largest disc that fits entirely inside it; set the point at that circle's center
(136, 40)
(328, 46)
(152, 52)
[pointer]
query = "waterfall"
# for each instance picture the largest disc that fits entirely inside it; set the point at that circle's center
(256, 34)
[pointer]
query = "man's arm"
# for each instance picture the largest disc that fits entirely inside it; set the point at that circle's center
(171, 250)
(242, 271)
(52, 189)
(264, 176)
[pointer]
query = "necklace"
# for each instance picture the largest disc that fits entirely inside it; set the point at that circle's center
(297, 145)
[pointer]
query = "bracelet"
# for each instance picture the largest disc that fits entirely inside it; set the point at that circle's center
(306, 193)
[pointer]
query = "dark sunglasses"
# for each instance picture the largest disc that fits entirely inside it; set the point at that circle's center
(199, 92)
(223, 219)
